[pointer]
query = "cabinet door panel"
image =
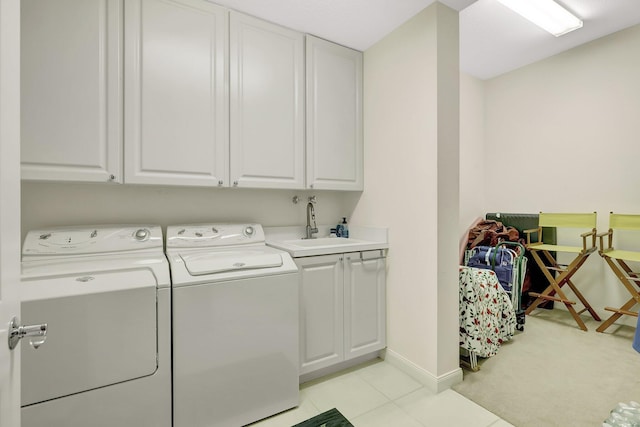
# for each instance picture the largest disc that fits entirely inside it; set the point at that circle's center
(365, 307)
(321, 311)
(334, 116)
(176, 101)
(267, 104)
(71, 90)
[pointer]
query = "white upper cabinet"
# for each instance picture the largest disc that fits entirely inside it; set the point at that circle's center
(334, 116)
(266, 104)
(176, 101)
(71, 102)
(185, 92)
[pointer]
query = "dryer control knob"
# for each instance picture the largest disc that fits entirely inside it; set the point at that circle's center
(142, 234)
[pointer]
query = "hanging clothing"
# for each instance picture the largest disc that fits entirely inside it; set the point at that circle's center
(487, 318)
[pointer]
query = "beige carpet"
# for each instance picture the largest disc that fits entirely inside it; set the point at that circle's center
(554, 374)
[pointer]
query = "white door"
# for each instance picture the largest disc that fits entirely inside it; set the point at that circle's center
(267, 104)
(334, 116)
(364, 303)
(71, 90)
(9, 207)
(321, 295)
(175, 101)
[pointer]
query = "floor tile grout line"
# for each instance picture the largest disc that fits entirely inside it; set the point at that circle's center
(359, 377)
(369, 379)
(421, 387)
(390, 398)
(396, 398)
(391, 402)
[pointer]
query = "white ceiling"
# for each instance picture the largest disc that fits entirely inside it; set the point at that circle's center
(493, 39)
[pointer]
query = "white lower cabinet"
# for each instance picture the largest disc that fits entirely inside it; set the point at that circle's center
(364, 303)
(342, 307)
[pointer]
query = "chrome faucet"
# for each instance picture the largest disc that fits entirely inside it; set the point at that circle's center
(311, 215)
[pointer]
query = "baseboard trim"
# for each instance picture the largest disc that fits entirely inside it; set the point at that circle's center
(338, 367)
(426, 378)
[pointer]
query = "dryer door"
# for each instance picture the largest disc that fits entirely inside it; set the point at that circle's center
(101, 330)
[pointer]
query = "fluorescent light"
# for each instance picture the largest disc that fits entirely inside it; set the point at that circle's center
(546, 14)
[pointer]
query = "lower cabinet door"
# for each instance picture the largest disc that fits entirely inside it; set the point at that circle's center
(364, 303)
(321, 311)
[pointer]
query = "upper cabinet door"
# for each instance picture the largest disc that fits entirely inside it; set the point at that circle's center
(334, 116)
(71, 100)
(176, 106)
(267, 104)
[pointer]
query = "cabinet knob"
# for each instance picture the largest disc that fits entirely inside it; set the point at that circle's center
(310, 185)
(235, 183)
(112, 177)
(220, 182)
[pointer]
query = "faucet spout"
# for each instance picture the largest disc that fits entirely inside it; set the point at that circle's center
(311, 216)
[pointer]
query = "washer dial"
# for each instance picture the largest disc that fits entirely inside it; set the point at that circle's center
(249, 231)
(142, 234)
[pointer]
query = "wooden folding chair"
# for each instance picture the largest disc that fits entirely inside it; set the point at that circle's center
(539, 249)
(617, 260)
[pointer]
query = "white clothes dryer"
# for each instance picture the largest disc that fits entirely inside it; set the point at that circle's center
(105, 294)
(235, 325)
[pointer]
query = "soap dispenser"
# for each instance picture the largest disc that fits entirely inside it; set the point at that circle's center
(345, 228)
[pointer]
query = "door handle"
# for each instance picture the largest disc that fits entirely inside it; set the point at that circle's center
(37, 333)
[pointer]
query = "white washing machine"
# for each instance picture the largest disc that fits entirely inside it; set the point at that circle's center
(235, 325)
(105, 294)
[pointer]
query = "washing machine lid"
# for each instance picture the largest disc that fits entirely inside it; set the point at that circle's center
(208, 265)
(102, 330)
(199, 264)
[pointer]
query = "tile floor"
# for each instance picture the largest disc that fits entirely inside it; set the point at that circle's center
(378, 394)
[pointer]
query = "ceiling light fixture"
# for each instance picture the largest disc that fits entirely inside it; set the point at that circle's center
(546, 14)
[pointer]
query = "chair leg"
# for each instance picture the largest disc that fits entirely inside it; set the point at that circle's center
(618, 312)
(626, 280)
(549, 290)
(584, 301)
(572, 311)
(555, 286)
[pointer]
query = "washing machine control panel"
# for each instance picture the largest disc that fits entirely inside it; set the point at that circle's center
(200, 235)
(91, 240)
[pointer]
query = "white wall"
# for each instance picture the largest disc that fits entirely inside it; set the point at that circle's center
(62, 204)
(472, 166)
(563, 135)
(411, 183)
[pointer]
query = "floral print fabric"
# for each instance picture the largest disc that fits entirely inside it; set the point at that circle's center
(487, 318)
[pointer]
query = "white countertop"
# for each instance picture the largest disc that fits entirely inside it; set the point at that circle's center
(290, 239)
